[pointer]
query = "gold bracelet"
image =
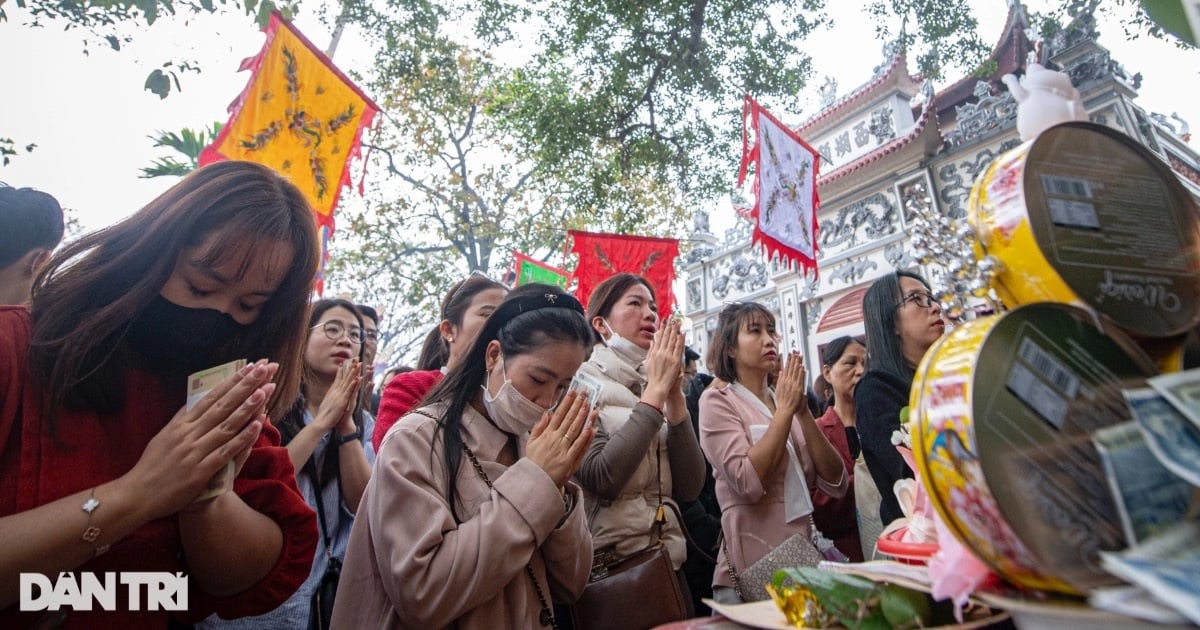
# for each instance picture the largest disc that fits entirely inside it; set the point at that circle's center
(91, 532)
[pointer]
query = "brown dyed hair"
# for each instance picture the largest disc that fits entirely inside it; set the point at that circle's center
(725, 338)
(604, 297)
(85, 299)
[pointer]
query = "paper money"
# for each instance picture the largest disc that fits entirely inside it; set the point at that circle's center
(587, 385)
(1149, 497)
(199, 384)
(1181, 389)
(1167, 565)
(1172, 438)
(205, 381)
(1134, 601)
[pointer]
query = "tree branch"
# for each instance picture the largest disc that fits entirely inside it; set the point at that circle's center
(521, 181)
(419, 185)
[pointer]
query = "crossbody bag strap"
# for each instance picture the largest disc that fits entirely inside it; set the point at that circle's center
(660, 519)
(733, 575)
(688, 535)
(658, 530)
(546, 617)
(310, 469)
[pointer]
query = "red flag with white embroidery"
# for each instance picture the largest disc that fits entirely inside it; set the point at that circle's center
(784, 188)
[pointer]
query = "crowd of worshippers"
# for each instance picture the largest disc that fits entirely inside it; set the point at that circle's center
(474, 491)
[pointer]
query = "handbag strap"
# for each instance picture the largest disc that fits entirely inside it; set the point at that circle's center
(733, 575)
(318, 490)
(658, 529)
(546, 618)
(688, 535)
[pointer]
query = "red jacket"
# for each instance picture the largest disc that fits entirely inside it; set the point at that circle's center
(401, 396)
(97, 448)
(836, 517)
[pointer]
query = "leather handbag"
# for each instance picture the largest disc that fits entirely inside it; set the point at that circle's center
(634, 592)
(751, 585)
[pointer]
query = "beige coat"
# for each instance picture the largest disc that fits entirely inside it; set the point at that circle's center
(634, 459)
(410, 565)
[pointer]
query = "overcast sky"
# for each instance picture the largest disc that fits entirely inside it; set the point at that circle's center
(90, 117)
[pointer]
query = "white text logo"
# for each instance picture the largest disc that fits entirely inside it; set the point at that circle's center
(79, 591)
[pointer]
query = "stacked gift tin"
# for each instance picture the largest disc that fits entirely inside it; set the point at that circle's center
(1098, 247)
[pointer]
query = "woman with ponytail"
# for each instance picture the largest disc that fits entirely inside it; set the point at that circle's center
(465, 308)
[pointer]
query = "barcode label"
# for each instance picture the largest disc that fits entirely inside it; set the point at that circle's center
(1058, 185)
(1049, 367)
(1040, 397)
(1072, 213)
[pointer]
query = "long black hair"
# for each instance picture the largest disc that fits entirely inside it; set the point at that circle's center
(531, 316)
(885, 351)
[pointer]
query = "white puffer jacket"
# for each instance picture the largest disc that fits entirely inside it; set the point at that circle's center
(622, 514)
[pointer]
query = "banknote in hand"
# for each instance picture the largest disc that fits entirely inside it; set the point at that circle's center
(199, 384)
(587, 386)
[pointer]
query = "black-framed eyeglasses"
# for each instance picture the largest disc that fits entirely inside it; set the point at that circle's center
(922, 299)
(335, 330)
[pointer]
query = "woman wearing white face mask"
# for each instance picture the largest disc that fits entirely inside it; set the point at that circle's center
(645, 454)
(469, 519)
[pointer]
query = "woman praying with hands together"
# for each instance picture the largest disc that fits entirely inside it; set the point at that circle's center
(103, 467)
(470, 519)
(765, 447)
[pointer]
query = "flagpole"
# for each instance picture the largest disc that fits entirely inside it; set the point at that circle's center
(338, 27)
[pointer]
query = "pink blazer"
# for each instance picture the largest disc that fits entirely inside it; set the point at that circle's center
(752, 517)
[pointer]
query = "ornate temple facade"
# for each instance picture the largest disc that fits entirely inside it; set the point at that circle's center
(891, 150)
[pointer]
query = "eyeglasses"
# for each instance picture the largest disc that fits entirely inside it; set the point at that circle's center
(923, 299)
(371, 336)
(335, 330)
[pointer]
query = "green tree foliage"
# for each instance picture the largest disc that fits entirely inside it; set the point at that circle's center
(9, 149)
(187, 143)
(103, 21)
(462, 187)
(610, 115)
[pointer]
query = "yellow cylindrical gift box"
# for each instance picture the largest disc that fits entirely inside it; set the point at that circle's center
(1084, 215)
(1003, 410)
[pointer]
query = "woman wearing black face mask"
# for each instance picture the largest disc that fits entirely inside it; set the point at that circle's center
(103, 467)
(469, 520)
